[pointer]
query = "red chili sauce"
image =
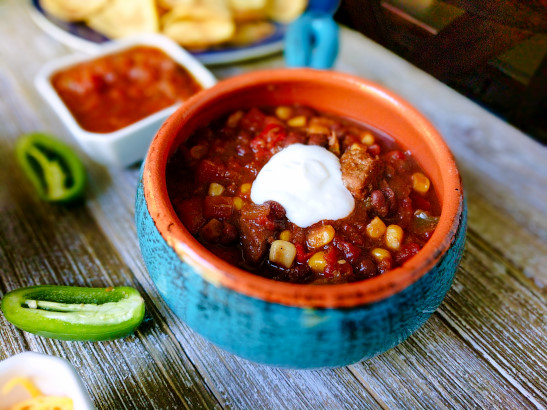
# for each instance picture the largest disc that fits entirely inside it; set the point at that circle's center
(111, 92)
(210, 176)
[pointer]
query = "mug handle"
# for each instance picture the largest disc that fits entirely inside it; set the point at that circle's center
(312, 41)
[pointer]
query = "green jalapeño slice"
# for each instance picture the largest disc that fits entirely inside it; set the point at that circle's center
(54, 169)
(75, 313)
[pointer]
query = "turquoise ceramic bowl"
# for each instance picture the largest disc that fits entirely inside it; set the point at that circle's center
(291, 325)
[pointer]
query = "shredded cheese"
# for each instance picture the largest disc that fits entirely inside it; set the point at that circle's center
(37, 401)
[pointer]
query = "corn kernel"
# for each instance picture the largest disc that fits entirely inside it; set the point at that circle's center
(317, 262)
(380, 254)
(357, 147)
(317, 129)
(282, 253)
(245, 188)
(234, 118)
(367, 138)
(376, 228)
(283, 113)
(320, 236)
(394, 237)
(238, 203)
(285, 235)
(215, 189)
(420, 183)
(334, 144)
(299, 121)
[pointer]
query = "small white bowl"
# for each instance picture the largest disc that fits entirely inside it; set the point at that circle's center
(52, 375)
(129, 144)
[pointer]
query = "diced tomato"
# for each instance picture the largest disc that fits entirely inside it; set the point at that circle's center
(218, 207)
(301, 255)
(210, 171)
(419, 202)
(271, 137)
(253, 121)
(190, 211)
(340, 271)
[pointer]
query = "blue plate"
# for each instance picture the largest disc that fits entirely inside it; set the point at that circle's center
(81, 37)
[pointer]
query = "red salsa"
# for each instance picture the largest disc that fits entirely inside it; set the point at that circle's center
(111, 92)
(209, 179)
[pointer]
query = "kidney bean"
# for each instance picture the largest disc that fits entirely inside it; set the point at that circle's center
(378, 202)
(353, 235)
(374, 150)
(350, 251)
(405, 212)
(406, 252)
(365, 268)
(391, 199)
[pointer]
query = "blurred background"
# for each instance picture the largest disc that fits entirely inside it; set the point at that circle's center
(492, 51)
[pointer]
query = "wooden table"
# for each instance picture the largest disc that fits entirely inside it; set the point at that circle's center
(485, 347)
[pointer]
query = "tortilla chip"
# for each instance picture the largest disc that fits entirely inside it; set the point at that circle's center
(170, 4)
(248, 10)
(251, 32)
(122, 18)
(199, 26)
(72, 10)
(285, 11)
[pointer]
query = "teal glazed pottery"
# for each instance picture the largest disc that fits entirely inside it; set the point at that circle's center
(294, 325)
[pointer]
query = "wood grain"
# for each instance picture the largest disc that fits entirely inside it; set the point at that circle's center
(485, 347)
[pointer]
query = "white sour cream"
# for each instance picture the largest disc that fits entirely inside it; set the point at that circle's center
(307, 181)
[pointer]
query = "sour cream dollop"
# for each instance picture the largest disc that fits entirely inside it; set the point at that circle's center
(307, 181)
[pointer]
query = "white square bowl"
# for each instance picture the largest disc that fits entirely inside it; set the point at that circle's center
(129, 144)
(52, 375)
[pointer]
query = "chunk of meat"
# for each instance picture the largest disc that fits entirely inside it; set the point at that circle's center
(360, 171)
(254, 232)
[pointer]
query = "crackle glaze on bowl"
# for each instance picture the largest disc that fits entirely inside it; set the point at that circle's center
(292, 325)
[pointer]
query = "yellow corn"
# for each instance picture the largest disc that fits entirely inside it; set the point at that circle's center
(215, 189)
(317, 129)
(317, 262)
(299, 121)
(245, 188)
(380, 254)
(394, 237)
(334, 144)
(234, 118)
(282, 253)
(285, 235)
(283, 113)
(420, 183)
(320, 236)
(238, 203)
(367, 138)
(376, 228)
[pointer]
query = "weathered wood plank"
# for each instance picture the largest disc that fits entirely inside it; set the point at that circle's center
(485, 347)
(49, 244)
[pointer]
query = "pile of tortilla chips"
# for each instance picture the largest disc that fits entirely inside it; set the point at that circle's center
(194, 24)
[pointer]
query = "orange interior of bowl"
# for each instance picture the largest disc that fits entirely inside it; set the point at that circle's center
(335, 93)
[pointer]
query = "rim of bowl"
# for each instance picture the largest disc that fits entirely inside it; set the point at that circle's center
(221, 273)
